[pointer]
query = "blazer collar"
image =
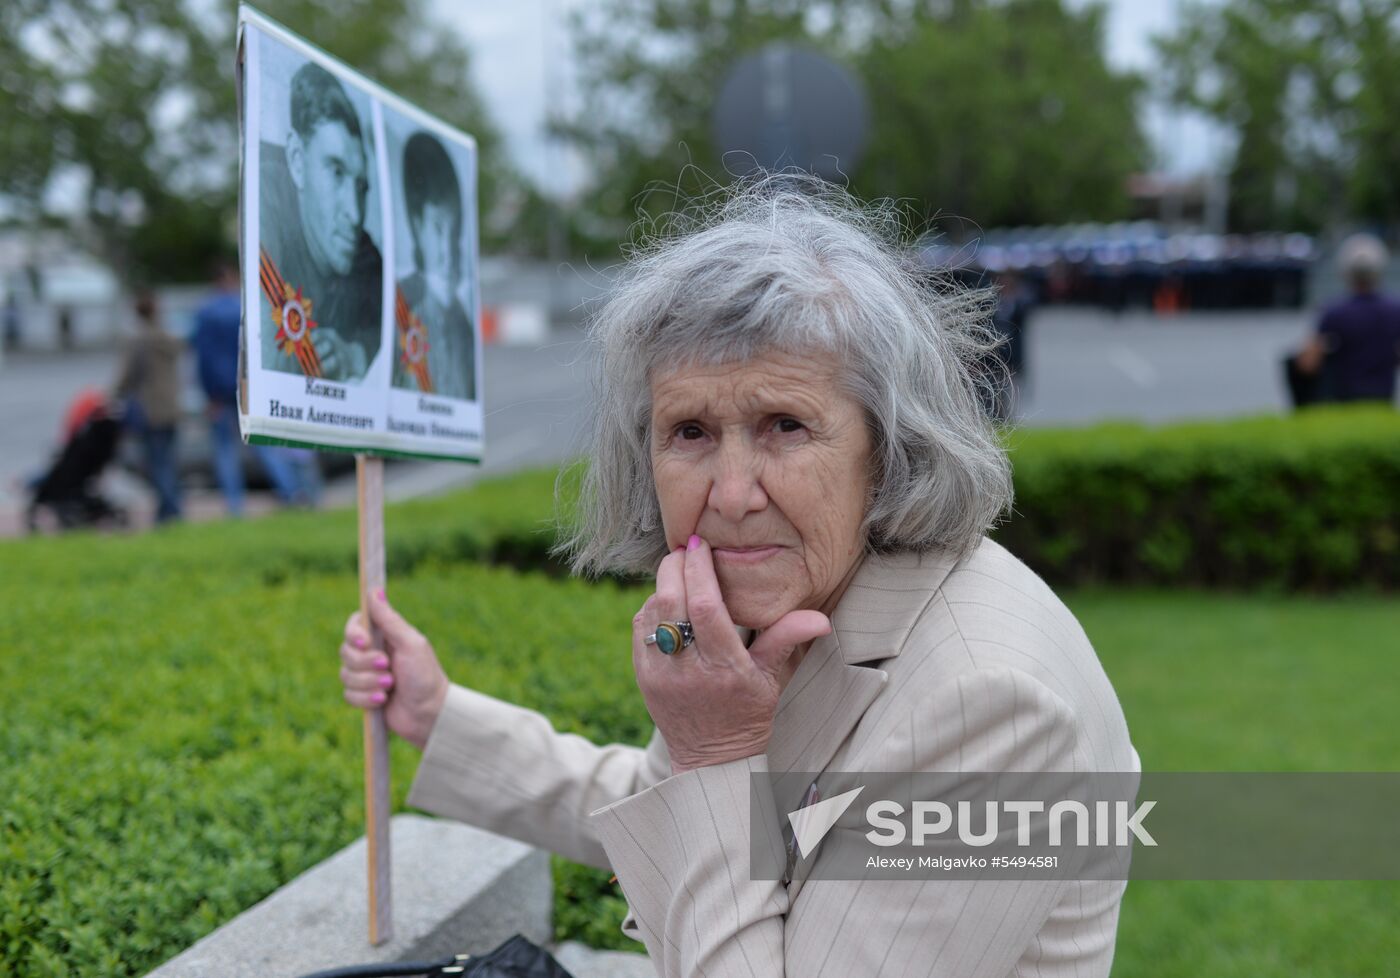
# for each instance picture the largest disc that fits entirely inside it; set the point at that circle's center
(831, 688)
(888, 594)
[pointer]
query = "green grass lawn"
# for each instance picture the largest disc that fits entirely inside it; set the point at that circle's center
(173, 744)
(1219, 683)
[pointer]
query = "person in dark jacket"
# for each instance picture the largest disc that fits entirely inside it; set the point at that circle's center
(215, 342)
(1357, 345)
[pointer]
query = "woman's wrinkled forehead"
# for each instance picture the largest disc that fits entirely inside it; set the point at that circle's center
(771, 382)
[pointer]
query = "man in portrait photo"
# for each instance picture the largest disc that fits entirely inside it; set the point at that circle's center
(320, 272)
(436, 345)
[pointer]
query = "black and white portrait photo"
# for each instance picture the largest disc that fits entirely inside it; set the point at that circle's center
(435, 336)
(359, 255)
(319, 264)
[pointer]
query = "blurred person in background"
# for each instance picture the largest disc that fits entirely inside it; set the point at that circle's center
(12, 327)
(215, 341)
(1355, 352)
(1014, 301)
(65, 328)
(305, 465)
(149, 384)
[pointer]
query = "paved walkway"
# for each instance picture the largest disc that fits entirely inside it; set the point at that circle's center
(1087, 365)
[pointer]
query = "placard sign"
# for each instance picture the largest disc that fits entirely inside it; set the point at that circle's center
(359, 243)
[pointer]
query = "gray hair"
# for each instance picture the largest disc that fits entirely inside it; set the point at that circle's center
(790, 264)
(1362, 259)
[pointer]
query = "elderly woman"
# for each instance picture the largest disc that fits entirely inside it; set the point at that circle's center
(789, 438)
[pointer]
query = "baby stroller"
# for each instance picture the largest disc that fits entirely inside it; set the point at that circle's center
(67, 489)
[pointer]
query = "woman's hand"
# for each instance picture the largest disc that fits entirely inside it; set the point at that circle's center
(714, 700)
(403, 677)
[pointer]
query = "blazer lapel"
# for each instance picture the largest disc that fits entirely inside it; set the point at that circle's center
(820, 707)
(833, 686)
(840, 676)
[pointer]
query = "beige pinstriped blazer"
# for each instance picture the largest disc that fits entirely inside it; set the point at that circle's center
(932, 665)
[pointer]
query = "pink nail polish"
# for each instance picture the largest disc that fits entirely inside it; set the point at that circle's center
(360, 643)
(381, 662)
(377, 698)
(693, 543)
(380, 595)
(386, 681)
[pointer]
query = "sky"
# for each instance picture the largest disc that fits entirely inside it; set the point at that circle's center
(521, 53)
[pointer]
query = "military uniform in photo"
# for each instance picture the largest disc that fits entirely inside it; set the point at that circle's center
(321, 273)
(436, 345)
(450, 354)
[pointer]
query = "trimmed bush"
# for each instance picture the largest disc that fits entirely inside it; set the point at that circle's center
(175, 747)
(1309, 502)
(503, 521)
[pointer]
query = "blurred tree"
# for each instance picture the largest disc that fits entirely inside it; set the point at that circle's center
(1309, 88)
(650, 71)
(1003, 114)
(135, 102)
(1003, 111)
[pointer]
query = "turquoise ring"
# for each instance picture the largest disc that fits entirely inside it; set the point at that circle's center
(671, 636)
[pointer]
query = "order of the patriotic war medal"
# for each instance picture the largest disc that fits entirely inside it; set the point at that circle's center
(291, 314)
(413, 343)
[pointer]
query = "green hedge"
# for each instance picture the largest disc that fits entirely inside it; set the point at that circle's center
(503, 521)
(1303, 502)
(1310, 501)
(174, 746)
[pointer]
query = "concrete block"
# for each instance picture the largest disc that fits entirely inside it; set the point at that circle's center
(455, 889)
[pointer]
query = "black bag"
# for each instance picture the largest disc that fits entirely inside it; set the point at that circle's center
(518, 957)
(1305, 389)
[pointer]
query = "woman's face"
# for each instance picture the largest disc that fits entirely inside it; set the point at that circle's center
(768, 461)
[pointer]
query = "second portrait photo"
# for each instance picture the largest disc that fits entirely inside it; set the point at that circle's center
(434, 308)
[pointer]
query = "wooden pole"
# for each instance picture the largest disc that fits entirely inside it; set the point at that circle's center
(369, 476)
